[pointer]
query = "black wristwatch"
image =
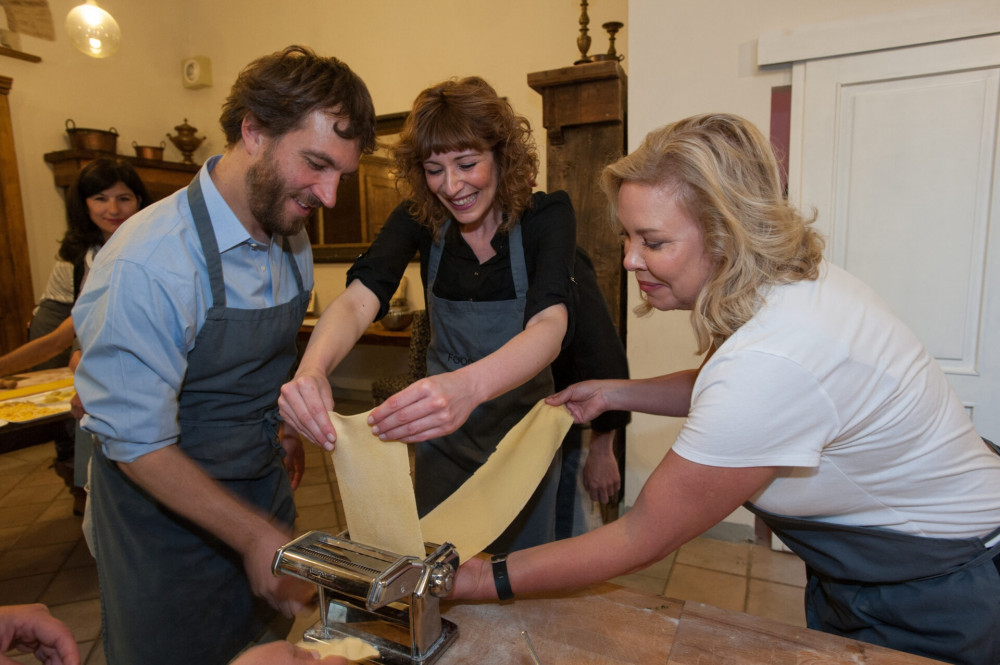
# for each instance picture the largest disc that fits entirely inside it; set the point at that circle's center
(500, 578)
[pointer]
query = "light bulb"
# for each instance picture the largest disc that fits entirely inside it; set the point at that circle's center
(93, 31)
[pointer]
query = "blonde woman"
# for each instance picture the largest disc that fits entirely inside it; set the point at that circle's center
(816, 407)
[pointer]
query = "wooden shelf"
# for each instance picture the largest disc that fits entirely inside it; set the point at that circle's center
(160, 177)
(20, 55)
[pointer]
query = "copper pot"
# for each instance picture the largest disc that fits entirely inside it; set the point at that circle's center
(151, 152)
(96, 140)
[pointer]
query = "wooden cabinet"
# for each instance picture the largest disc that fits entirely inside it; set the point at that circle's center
(160, 177)
(583, 110)
(341, 233)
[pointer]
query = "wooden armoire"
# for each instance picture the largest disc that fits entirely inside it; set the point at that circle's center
(583, 111)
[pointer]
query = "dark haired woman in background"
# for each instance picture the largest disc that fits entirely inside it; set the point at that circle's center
(105, 193)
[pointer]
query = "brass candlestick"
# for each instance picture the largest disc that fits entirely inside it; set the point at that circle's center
(613, 27)
(583, 41)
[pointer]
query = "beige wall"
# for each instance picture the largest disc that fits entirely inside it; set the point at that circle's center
(398, 47)
(687, 58)
(131, 92)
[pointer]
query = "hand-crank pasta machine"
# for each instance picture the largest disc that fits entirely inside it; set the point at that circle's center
(387, 600)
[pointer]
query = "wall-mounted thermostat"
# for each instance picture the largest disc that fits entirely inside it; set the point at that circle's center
(196, 72)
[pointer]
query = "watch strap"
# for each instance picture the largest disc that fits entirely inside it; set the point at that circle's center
(500, 577)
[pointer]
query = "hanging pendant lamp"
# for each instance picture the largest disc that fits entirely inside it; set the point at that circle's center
(93, 31)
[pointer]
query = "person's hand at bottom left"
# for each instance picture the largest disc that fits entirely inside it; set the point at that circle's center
(32, 629)
(284, 653)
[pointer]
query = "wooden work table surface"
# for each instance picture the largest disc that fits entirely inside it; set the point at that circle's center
(375, 335)
(613, 624)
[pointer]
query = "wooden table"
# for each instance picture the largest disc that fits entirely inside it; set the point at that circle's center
(17, 435)
(613, 624)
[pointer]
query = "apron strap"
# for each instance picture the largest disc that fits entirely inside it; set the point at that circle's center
(209, 245)
(517, 264)
(434, 260)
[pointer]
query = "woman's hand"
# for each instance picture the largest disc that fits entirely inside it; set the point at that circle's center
(585, 400)
(305, 403)
(474, 580)
(428, 408)
(295, 456)
(284, 653)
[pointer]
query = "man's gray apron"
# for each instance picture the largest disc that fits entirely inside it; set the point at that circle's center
(462, 333)
(171, 592)
(935, 597)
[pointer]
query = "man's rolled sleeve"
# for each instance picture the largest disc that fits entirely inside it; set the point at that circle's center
(136, 330)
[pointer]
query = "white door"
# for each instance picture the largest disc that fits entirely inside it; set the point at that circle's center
(898, 152)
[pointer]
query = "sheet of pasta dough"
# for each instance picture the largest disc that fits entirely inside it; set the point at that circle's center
(472, 517)
(375, 486)
(351, 648)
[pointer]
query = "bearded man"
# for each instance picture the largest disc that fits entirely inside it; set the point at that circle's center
(188, 323)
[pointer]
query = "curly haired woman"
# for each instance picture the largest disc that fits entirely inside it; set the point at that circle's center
(496, 261)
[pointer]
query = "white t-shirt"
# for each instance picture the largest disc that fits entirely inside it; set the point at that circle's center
(60, 285)
(827, 383)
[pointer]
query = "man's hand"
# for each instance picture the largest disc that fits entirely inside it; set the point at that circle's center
(305, 403)
(76, 406)
(32, 629)
(284, 593)
(74, 360)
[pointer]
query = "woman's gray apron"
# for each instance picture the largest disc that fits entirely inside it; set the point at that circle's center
(935, 597)
(462, 333)
(171, 592)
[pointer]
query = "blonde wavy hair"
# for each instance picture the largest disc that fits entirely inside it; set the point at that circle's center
(723, 172)
(466, 114)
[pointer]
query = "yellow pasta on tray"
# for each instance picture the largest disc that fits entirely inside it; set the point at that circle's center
(21, 411)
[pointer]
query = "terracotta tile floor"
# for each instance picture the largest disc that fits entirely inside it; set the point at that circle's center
(44, 558)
